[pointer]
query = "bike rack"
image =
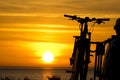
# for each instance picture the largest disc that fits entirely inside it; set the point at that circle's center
(82, 42)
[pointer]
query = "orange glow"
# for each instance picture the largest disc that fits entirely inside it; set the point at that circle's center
(55, 50)
(26, 36)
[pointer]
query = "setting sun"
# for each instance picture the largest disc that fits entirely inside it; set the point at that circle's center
(48, 57)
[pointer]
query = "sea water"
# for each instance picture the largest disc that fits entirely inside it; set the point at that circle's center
(38, 74)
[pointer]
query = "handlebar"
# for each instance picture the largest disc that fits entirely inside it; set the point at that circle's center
(86, 19)
(72, 17)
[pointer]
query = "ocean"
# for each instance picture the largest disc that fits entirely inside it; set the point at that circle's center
(38, 74)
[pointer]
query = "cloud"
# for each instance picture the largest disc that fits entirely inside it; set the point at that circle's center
(17, 12)
(95, 5)
(29, 6)
(40, 7)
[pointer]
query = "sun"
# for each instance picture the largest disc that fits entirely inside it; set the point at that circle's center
(48, 57)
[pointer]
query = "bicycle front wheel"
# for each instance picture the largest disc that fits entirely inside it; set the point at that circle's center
(81, 59)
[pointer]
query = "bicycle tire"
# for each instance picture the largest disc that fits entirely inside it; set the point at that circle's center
(81, 58)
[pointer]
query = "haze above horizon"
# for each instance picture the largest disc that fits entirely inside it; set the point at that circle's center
(30, 28)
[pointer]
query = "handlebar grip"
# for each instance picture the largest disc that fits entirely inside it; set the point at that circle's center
(73, 17)
(105, 19)
(67, 15)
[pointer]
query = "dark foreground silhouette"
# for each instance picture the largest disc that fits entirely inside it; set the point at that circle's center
(111, 62)
(105, 68)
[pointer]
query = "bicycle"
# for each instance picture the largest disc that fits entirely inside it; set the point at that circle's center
(81, 51)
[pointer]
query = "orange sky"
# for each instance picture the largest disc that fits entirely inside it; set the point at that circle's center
(29, 28)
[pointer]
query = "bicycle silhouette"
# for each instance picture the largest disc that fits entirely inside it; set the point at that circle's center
(81, 51)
